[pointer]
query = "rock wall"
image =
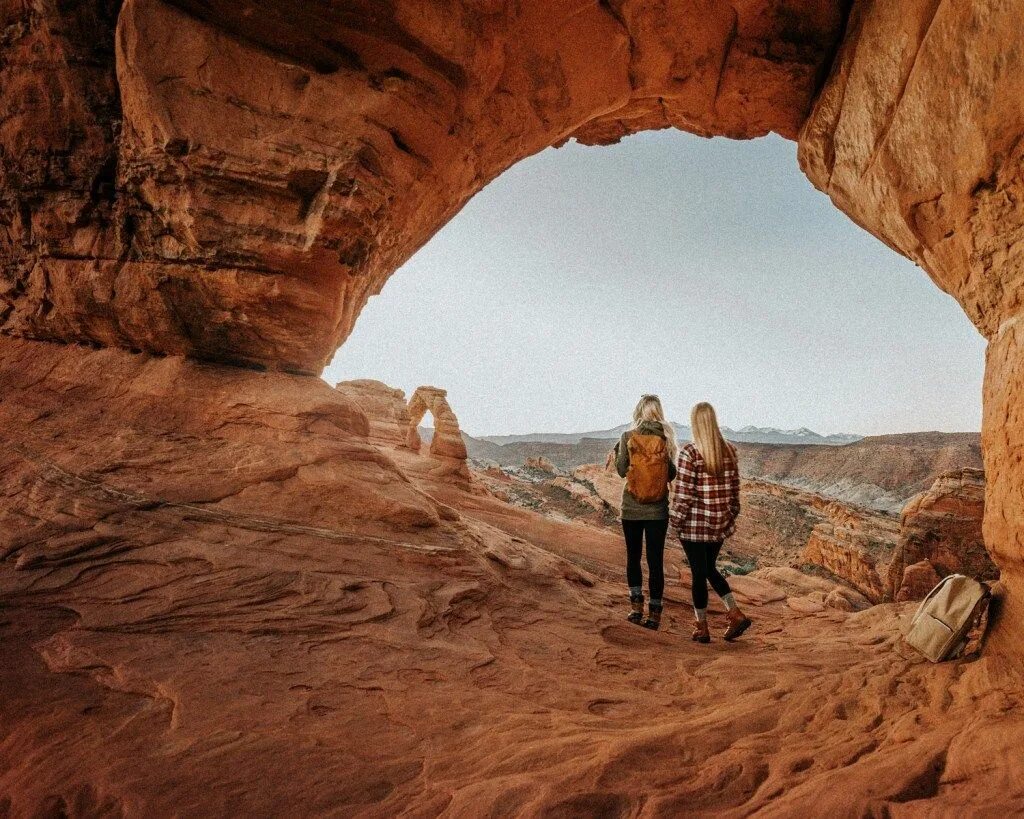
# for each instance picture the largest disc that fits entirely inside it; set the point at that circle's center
(859, 555)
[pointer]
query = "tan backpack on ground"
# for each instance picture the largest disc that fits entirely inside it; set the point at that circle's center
(943, 622)
(647, 476)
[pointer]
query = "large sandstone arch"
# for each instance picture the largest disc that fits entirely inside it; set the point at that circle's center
(447, 440)
(155, 196)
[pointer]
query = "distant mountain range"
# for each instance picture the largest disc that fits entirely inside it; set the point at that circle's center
(748, 434)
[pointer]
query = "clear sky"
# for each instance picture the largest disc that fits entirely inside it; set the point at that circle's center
(693, 268)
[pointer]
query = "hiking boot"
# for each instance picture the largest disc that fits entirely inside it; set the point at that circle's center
(653, 618)
(637, 613)
(700, 632)
(738, 623)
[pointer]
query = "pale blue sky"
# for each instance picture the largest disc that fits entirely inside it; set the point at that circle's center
(696, 269)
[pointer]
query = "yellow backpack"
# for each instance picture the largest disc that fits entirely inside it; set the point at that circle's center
(647, 476)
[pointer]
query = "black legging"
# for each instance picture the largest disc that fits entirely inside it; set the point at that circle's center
(702, 557)
(655, 531)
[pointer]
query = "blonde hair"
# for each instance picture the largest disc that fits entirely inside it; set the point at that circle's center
(648, 408)
(707, 437)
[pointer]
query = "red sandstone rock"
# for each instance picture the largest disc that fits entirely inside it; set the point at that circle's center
(784, 526)
(606, 482)
(210, 577)
(541, 464)
(859, 555)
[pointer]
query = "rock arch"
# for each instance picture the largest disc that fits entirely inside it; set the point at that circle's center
(447, 440)
(153, 197)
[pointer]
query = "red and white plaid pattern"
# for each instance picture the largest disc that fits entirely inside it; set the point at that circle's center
(703, 507)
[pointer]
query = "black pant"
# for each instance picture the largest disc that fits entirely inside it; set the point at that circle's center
(702, 557)
(655, 531)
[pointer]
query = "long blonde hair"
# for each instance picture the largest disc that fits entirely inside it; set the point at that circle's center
(708, 438)
(648, 408)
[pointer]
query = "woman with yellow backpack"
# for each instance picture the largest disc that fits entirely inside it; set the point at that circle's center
(645, 456)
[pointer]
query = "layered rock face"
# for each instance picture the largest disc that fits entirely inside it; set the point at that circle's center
(942, 529)
(917, 135)
(154, 196)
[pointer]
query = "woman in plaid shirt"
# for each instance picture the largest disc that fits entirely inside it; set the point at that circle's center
(705, 502)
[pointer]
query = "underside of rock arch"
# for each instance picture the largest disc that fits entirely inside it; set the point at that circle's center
(196, 201)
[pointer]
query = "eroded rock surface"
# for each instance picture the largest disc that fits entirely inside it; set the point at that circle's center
(858, 551)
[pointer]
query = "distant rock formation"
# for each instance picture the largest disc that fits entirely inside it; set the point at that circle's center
(943, 528)
(385, 409)
(540, 463)
(882, 472)
(393, 423)
(447, 440)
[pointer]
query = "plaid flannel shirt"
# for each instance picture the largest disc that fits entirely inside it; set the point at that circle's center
(703, 507)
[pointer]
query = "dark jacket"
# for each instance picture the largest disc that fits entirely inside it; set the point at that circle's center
(632, 509)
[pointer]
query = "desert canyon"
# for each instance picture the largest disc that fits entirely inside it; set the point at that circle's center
(228, 588)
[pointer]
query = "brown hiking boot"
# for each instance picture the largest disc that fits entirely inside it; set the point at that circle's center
(636, 615)
(738, 623)
(700, 632)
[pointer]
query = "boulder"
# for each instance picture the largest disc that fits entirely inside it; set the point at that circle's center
(918, 579)
(943, 526)
(385, 408)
